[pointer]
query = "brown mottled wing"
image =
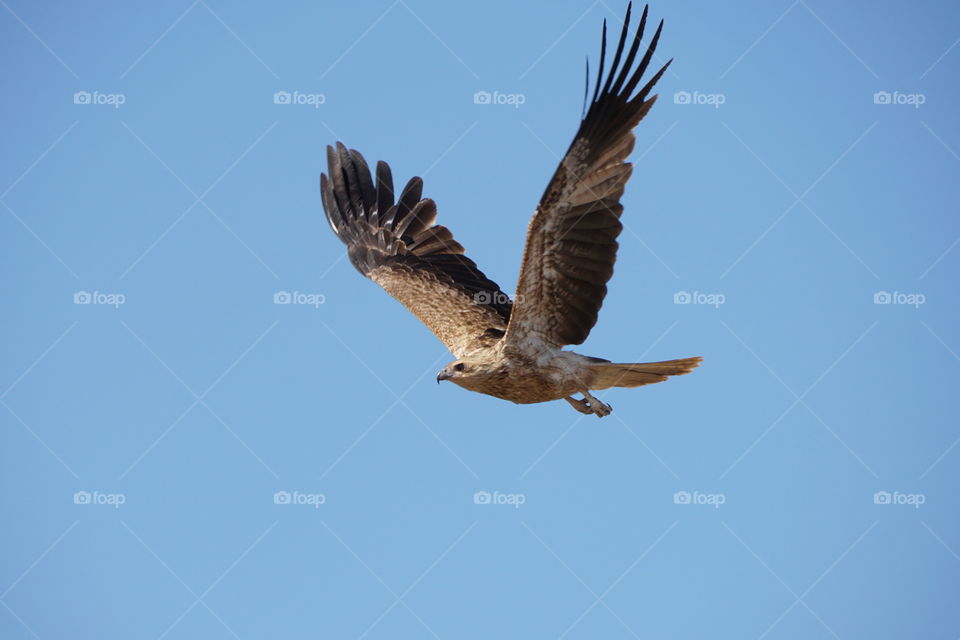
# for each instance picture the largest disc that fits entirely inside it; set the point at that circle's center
(572, 238)
(398, 246)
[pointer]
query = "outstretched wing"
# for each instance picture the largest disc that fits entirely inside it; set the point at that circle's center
(572, 238)
(398, 246)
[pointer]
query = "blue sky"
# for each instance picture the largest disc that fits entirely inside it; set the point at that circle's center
(796, 183)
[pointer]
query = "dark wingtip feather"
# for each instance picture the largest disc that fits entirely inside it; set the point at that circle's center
(616, 56)
(329, 204)
(651, 48)
(384, 189)
(368, 193)
(338, 184)
(632, 54)
(586, 90)
(603, 54)
(642, 94)
(409, 197)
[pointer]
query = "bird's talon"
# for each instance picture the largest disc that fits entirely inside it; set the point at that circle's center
(600, 409)
(580, 405)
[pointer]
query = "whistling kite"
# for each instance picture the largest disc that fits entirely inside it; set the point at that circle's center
(512, 349)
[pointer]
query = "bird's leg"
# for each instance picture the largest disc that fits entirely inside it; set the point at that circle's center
(598, 408)
(579, 405)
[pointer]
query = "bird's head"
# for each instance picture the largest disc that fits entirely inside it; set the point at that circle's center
(464, 372)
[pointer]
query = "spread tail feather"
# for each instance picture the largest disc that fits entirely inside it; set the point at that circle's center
(609, 374)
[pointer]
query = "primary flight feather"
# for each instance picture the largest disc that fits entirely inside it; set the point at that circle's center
(513, 349)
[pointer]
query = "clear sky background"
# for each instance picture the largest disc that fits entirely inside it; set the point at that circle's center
(817, 443)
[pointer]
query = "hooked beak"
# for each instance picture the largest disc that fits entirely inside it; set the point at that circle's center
(442, 376)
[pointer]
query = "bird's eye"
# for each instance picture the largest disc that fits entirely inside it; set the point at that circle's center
(458, 366)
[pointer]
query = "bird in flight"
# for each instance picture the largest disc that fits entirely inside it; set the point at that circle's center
(512, 349)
